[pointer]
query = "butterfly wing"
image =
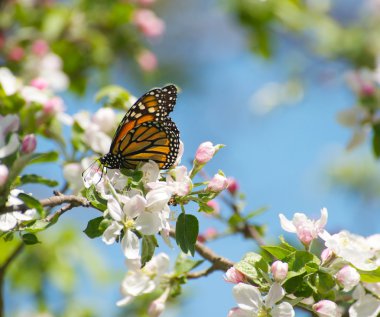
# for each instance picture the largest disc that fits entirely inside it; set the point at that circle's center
(146, 132)
(156, 141)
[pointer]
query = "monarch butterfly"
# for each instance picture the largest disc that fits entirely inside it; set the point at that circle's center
(146, 132)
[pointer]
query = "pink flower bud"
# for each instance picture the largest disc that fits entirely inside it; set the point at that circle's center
(3, 174)
(326, 254)
(326, 308)
(146, 2)
(53, 106)
(149, 24)
(217, 183)
(215, 206)
(40, 48)
(210, 233)
(16, 54)
(306, 235)
(233, 185)
(201, 238)
(156, 308)
(348, 277)
(234, 276)
(205, 152)
(147, 61)
(39, 83)
(28, 144)
(279, 270)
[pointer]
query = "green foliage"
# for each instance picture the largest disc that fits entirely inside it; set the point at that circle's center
(149, 244)
(31, 202)
(184, 265)
(29, 238)
(95, 199)
(370, 276)
(95, 227)
(35, 179)
(254, 267)
(187, 229)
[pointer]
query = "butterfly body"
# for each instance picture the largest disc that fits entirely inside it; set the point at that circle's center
(146, 133)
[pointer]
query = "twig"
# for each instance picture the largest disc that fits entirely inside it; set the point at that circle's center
(56, 200)
(60, 212)
(219, 263)
(195, 275)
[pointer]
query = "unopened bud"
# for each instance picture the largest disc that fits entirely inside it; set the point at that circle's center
(29, 144)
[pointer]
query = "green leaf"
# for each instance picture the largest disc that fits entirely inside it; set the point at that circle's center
(38, 225)
(278, 252)
(96, 200)
(311, 267)
(43, 157)
(324, 282)
(93, 229)
(187, 229)
(286, 245)
(29, 238)
(33, 179)
(255, 213)
(376, 140)
(254, 266)
(297, 260)
(370, 276)
(205, 208)
(293, 283)
(117, 96)
(149, 244)
(32, 202)
(183, 264)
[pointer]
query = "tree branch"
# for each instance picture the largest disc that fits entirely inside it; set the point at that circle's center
(219, 263)
(53, 201)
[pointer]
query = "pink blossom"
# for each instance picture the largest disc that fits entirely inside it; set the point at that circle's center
(205, 152)
(53, 106)
(29, 144)
(326, 254)
(39, 83)
(210, 233)
(215, 206)
(147, 61)
(306, 229)
(158, 305)
(3, 174)
(40, 48)
(217, 183)
(16, 53)
(234, 276)
(279, 270)
(149, 24)
(233, 185)
(326, 308)
(348, 277)
(146, 2)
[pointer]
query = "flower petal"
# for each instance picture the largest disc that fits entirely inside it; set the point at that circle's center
(248, 297)
(321, 223)
(134, 206)
(238, 312)
(286, 224)
(111, 233)
(7, 221)
(283, 310)
(114, 209)
(148, 223)
(11, 147)
(275, 294)
(130, 245)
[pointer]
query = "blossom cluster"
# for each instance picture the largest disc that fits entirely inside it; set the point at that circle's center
(348, 265)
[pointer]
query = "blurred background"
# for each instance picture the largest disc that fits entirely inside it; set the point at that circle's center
(275, 82)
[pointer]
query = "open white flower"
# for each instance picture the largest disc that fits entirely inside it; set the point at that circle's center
(252, 304)
(366, 305)
(8, 124)
(144, 280)
(179, 180)
(8, 82)
(9, 220)
(306, 229)
(353, 248)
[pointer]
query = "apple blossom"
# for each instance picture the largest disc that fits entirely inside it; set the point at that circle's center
(144, 280)
(279, 270)
(326, 255)
(306, 229)
(326, 308)
(348, 277)
(234, 276)
(29, 144)
(352, 248)
(106, 119)
(16, 53)
(233, 185)
(147, 61)
(8, 123)
(3, 174)
(10, 220)
(205, 152)
(40, 47)
(149, 24)
(215, 206)
(366, 304)
(251, 303)
(217, 183)
(179, 181)
(158, 305)
(53, 106)
(8, 82)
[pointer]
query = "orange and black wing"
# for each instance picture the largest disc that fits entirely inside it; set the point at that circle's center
(156, 141)
(155, 105)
